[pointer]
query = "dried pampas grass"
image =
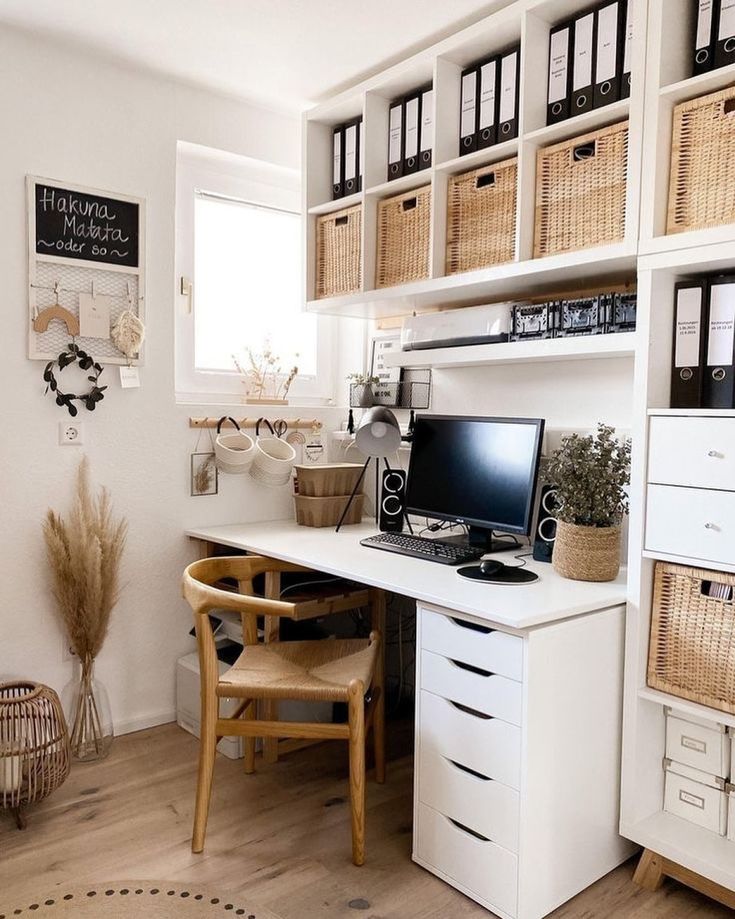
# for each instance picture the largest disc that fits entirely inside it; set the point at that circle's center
(84, 554)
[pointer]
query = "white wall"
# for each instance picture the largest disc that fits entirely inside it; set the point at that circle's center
(76, 119)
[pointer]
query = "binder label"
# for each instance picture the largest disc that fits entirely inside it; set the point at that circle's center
(427, 120)
(704, 23)
(469, 91)
(607, 42)
(583, 31)
(412, 127)
(337, 158)
(727, 20)
(394, 133)
(721, 325)
(508, 75)
(629, 36)
(487, 94)
(558, 65)
(688, 327)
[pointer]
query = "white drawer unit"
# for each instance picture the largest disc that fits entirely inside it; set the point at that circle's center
(467, 684)
(470, 643)
(692, 522)
(731, 813)
(696, 797)
(475, 864)
(484, 805)
(697, 743)
(693, 452)
(488, 745)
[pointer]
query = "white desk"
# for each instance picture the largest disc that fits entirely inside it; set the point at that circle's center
(518, 716)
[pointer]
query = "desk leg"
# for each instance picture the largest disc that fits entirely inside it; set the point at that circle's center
(377, 615)
(271, 632)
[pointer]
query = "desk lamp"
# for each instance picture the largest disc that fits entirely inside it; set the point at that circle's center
(378, 435)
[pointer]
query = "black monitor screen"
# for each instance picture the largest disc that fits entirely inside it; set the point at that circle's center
(480, 471)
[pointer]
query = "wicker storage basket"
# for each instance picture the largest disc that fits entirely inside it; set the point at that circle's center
(327, 480)
(702, 183)
(404, 238)
(580, 191)
(481, 217)
(325, 512)
(692, 648)
(339, 252)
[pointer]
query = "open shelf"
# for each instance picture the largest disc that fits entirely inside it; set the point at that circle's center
(478, 158)
(580, 124)
(584, 347)
(690, 562)
(694, 412)
(701, 85)
(686, 707)
(337, 204)
(403, 183)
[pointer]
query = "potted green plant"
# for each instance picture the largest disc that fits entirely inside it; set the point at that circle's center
(361, 389)
(590, 474)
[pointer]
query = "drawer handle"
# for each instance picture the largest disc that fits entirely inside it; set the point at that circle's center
(341, 221)
(471, 711)
(466, 829)
(711, 526)
(472, 626)
(478, 670)
(715, 454)
(477, 775)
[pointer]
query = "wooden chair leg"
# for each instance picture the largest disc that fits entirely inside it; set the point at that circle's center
(207, 753)
(379, 717)
(249, 742)
(356, 713)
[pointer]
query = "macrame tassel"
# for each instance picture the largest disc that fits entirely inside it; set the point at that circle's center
(128, 334)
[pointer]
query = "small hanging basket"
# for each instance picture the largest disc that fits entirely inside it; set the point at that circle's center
(235, 451)
(274, 458)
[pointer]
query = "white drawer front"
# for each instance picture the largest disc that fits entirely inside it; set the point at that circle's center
(731, 815)
(486, 692)
(703, 748)
(488, 745)
(472, 644)
(692, 522)
(479, 865)
(482, 804)
(695, 802)
(696, 452)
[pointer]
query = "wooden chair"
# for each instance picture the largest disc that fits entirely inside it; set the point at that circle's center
(334, 670)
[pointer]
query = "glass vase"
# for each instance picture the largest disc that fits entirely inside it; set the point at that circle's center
(88, 715)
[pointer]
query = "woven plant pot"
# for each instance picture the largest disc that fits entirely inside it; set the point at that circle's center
(587, 553)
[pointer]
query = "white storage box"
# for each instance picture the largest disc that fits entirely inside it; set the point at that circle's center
(697, 743)
(696, 797)
(475, 325)
(731, 813)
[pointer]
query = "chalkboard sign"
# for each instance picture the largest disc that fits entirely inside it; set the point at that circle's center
(88, 226)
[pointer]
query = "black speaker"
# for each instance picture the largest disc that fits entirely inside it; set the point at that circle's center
(545, 529)
(392, 501)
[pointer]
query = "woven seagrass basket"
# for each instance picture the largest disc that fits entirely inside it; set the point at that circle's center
(339, 253)
(580, 192)
(481, 217)
(404, 238)
(702, 182)
(586, 553)
(691, 651)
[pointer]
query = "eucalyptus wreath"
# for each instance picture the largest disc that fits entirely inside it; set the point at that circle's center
(74, 354)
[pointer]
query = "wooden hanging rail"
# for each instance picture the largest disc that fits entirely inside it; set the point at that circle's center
(293, 423)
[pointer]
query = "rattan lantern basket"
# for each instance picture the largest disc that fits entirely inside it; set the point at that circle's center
(34, 745)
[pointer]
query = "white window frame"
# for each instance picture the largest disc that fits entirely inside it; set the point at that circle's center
(240, 179)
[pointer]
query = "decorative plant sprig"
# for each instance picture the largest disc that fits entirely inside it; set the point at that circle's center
(362, 379)
(590, 474)
(86, 362)
(264, 377)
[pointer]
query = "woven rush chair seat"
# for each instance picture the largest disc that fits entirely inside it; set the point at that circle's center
(311, 671)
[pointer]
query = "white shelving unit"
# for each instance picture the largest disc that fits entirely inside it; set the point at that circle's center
(524, 21)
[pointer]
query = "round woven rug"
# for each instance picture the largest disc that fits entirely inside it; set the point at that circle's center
(149, 899)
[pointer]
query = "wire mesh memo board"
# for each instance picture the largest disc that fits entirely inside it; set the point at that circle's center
(77, 220)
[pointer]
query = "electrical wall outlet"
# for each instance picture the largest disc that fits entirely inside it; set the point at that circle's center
(71, 433)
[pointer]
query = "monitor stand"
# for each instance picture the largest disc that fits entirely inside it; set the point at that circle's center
(483, 539)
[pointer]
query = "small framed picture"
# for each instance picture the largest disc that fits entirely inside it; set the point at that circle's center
(387, 391)
(204, 477)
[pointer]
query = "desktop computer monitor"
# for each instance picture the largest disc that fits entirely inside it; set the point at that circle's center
(480, 472)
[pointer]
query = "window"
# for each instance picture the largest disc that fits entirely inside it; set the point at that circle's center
(239, 244)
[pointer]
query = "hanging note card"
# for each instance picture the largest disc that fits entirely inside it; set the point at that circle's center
(129, 378)
(94, 316)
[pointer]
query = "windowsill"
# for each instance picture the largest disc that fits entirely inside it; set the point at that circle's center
(230, 400)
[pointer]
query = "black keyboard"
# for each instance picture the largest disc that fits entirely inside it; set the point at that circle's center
(433, 550)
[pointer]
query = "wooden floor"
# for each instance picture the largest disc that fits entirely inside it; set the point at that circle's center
(279, 838)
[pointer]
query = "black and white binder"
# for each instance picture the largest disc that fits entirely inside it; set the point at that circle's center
(583, 79)
(468, 112)
(609, 46)
(510, 66)
(560, 73)
(338, 167)
(395, 140)
(690, 342)
(412, 122)
(360, 153)
(627, 51)
(351, 158)
(705, 36)
(719, 377)
(487, 124)
(725, 46)
(426, 140)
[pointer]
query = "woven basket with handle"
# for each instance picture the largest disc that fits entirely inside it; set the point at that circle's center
(339, 252)
(404, 238)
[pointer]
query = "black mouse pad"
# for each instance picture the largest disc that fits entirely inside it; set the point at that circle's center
(508, 574)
